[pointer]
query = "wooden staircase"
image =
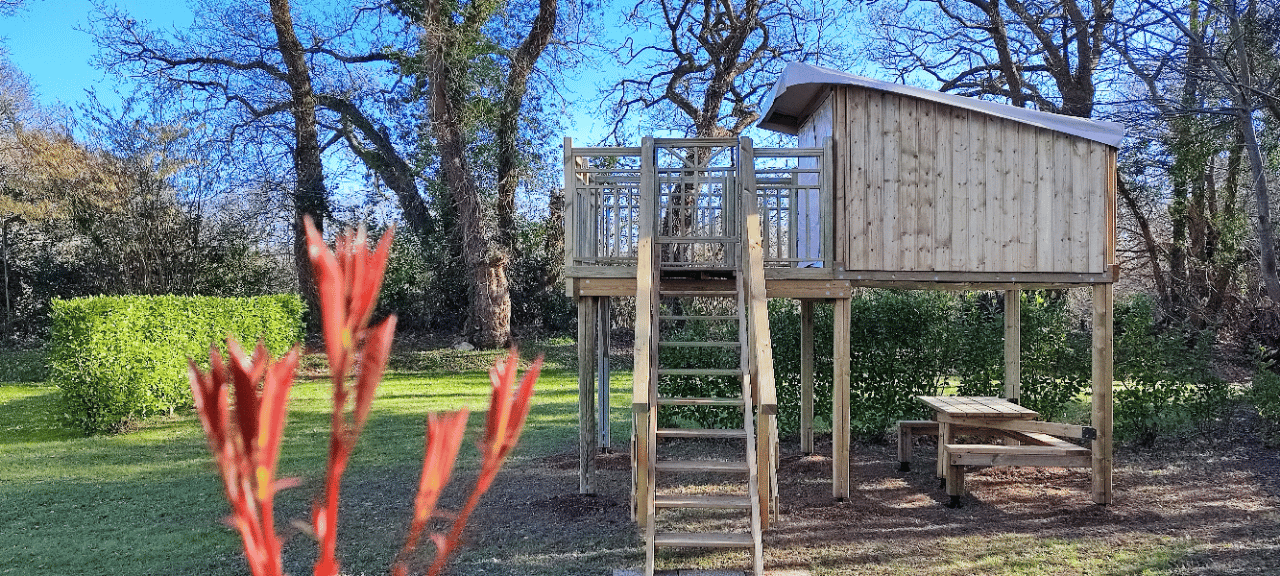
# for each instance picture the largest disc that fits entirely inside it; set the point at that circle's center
(701, 317)
(709, 303)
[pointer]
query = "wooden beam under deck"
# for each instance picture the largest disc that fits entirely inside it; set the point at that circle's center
(799, 289)
(784, 283)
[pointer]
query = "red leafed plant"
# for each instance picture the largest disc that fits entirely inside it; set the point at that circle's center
(242, 402)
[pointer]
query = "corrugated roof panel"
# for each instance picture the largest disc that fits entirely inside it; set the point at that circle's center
(795, 93)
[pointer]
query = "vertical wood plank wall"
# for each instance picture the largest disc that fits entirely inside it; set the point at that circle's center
(922, 186)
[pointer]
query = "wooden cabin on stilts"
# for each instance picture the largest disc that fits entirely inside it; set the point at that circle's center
(891, 186)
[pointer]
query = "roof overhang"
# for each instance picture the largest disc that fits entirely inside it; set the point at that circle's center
(802, 87)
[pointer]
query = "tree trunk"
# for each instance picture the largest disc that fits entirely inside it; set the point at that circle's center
(489, 314)
(1244, 119)
(309, 195)
(378, 153)
(508, 132)
(1148, 240)
(1266, 231)
(4, 255)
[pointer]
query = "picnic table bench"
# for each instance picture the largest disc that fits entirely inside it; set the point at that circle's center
(1029, 442)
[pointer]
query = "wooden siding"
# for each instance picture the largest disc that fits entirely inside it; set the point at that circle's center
(921, 186)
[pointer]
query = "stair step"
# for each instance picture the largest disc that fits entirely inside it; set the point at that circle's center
(687, 317)
(699, 344)
(732, 502)
(703, 540)
(682, 401)
(691, 271)
(699, 371)
(696, 292)
(701, 433)
(700, 466)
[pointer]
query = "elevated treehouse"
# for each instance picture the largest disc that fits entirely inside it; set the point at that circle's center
(892, 186)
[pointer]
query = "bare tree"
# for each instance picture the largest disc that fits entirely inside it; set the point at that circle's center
(248, 63)
(1216, 66)
(310, 196)
(710, 62)
(520, 67)
(1042, 54)
(10, 7)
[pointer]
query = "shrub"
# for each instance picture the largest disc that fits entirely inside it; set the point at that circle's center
(901, 346)
(1168, 385)
(784, 326)
(117, 358)
(1264, 394)
(699, 357)
(905, 344)
(24, 365)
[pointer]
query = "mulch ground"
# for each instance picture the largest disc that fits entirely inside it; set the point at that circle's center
(1218, 493)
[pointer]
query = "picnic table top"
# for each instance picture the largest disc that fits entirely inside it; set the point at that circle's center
(978, 407)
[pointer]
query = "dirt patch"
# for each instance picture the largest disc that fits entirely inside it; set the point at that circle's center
(1212, 501)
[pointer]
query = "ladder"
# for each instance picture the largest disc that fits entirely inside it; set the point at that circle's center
(710, 303)
(701, 316)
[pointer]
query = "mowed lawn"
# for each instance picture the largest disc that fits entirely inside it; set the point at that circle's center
(150, 502)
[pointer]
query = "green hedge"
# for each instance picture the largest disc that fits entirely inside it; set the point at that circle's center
(910, 343)
(1167, 385)
(906, 343)
(123, 357)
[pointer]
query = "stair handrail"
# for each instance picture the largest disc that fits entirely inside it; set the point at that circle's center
(764, 390)
(643, 391)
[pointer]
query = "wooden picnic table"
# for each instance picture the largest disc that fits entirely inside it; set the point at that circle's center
(1029, 442)
(981, 407)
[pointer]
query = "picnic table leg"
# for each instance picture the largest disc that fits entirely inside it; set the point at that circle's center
(955, 484)
(944, 437)
(905, 434)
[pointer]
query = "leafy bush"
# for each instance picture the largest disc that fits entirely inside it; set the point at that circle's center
(701, 357)
(901, 346)
(784, 326)
(905, 344)
(1167, 382)
(1057, 361)
(117, 358)
(24, 365)
(1265, 396)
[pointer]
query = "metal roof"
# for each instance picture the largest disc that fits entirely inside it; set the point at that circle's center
(798, 92)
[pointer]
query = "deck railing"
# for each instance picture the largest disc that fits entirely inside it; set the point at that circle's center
(695, 185)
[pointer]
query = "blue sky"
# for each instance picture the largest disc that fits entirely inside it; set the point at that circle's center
(47, 41)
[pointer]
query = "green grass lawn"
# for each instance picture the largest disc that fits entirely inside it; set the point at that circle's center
(150, 502)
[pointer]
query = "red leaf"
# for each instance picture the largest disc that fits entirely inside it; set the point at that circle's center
(373, 361)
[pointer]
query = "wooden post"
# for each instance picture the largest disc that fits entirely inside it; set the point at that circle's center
(806, 376)
(944, 436)
(953, 475)
(570, 209)
(602, 373)
(840, 400)
(586, 396)
(1103, 378)
(643, 394)
(1013, 345)
(828, 204)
